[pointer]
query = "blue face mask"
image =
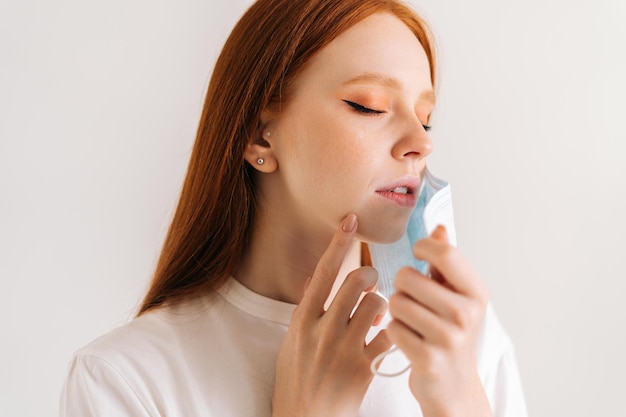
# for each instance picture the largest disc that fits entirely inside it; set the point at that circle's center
(434, 207)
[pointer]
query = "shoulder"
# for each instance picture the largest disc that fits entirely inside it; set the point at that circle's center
(156, 333)
(133, 366)
(103, 375)
(125, 354)
(144, 334)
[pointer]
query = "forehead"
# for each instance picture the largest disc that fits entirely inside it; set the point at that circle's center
(379, 44)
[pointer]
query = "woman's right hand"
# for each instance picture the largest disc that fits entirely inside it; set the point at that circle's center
(323, 366)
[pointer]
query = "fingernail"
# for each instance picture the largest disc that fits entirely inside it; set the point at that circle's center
(349, 223)
(440, 229)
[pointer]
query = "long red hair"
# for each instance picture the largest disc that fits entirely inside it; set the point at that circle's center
(265, 51)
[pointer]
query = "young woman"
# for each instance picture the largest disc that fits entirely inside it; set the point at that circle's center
(312, 143)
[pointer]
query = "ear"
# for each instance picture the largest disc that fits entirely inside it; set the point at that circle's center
(259, 152)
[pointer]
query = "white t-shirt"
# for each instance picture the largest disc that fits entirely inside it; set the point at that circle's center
(215, 356)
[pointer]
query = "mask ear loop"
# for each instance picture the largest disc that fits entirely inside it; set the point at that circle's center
(377, 361)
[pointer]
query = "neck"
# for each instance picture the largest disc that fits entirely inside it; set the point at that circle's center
(283, 254)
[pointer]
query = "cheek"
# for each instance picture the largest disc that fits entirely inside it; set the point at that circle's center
(346, 158)
(332, 146)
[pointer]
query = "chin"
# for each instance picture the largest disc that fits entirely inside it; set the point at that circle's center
(381, 233)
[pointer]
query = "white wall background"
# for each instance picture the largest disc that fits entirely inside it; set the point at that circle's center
(98, 107)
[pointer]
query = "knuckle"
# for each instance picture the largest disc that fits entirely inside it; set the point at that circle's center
(342, 242)
(298, 328)
(452, 338)
(469, 315)
(323, 270)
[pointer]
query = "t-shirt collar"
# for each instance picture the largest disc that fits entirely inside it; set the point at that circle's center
(256, 304)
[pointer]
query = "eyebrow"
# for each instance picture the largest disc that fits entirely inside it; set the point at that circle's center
(384, 80)
(376, 78)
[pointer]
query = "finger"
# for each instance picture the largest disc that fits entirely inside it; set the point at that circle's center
(440, 233)
(410, 343)
(364, 316)
(352, 288)
(381, 315)
(328, 266)
(379, 344)
(422, 321)
(453, 267)
(438, 298)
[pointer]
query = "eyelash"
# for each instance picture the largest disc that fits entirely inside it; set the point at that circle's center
(362, 109)
(366, 110)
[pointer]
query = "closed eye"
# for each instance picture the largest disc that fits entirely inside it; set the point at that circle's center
(362, 109)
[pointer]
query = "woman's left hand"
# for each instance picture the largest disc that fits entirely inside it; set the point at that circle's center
(436, 323)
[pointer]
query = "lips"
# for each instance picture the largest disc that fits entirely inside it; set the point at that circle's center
(404, 185)
(402, 191)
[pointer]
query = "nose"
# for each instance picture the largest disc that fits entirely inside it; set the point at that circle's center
(413, 142)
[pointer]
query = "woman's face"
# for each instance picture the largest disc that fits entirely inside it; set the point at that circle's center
(353, 136)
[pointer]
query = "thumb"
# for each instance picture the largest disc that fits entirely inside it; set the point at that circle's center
(440, 233)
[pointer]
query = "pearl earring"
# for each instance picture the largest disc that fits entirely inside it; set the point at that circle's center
(260, 161)
(268, 134)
